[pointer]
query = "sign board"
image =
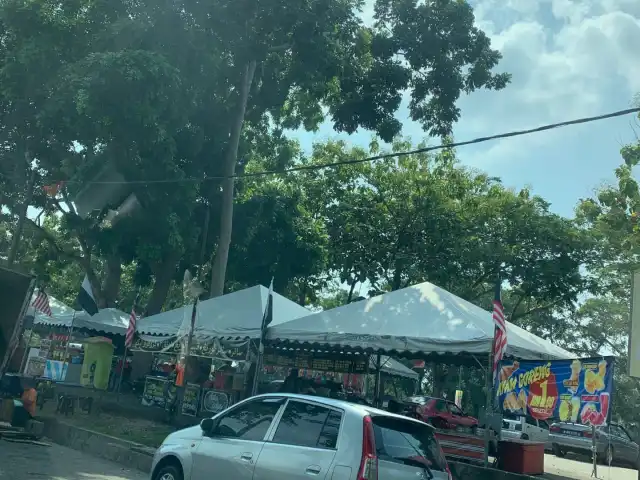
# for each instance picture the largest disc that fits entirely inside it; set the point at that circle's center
(325, 363)
(458, 398)
(577, 391)
(213, 401)
(55, 370)
(154, 392)
(191, 400)
(634, 333)
(225, 350)
(45, 348)
(34, 366)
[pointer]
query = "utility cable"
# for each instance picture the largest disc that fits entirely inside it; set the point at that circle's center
(383, 156)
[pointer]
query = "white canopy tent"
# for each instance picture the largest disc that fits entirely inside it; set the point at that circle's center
(236, 315)
(108, 320)
(392, 367)
(422, 319)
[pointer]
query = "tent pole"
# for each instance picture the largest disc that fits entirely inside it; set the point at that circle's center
(377, 387)
(25, 354)
(66, 348)
(488, 404)
(124, 362)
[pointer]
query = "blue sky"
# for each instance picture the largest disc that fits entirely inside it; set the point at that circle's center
(569, 59)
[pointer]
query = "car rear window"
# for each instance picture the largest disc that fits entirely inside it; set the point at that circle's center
(403, 441)
(308, 425)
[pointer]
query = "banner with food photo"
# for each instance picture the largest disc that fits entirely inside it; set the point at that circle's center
(577, 391)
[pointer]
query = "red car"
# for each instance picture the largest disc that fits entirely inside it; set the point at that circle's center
(440, 413)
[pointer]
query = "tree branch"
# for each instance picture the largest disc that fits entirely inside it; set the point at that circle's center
(515, 307)
(51, 240)
(539, 309)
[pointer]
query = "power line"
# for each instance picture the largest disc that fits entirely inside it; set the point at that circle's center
(515, 133)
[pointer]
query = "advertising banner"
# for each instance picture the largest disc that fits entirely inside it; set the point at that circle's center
(191, 400)
(577, 391)
(157, 392)
(213, 401)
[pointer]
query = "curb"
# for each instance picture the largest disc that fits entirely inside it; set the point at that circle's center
(128, 454)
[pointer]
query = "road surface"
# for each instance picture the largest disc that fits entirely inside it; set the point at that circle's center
(20, 461)
(579, 468)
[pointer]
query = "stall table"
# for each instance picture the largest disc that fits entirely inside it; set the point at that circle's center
(521, 456)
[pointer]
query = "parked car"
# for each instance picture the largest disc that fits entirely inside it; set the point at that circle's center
(295, 437)
(525, 428)
(440, 413)
(613, 443)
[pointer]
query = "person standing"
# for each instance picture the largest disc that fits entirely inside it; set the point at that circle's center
(291, 383)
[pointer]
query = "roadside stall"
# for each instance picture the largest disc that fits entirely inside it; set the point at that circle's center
(73, 353)
(218, 371)
(419, 322)
(61, 340)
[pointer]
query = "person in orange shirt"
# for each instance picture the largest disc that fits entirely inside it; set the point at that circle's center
(29, 398)
(180, 372)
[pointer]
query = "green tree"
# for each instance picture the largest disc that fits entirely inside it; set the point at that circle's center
(397, 222)
(285, 64)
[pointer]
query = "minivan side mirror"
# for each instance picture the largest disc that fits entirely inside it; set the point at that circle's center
(207, 425)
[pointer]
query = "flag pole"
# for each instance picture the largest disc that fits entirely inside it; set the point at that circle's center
(126, 346)
(489, 401)
(491, 372)
(263, 328)
(66, 348)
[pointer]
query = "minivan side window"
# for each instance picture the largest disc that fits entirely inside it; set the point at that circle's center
(308, 425)
(249, 421)
(543, 424)
(531, 421)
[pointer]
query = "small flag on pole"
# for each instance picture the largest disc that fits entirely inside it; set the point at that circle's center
(267, 317)
(41, 303)
(131, 329)
(500, 330)
(133, 319)
(86, 298)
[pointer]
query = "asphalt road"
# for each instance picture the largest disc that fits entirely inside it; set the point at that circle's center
(579, 468)
(33, 462)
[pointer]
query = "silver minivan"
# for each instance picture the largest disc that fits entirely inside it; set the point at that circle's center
(294, 437)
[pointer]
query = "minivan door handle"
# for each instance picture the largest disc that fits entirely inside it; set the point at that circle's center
(246, 456)
(313, 470)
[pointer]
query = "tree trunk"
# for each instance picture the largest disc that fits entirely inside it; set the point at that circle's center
(219, 266)
(351, 289)
(22, 216)
(112, 280)
(163, 276)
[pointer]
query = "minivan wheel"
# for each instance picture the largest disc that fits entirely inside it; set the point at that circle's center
(557, 451)
(169, 472)
(524, 436)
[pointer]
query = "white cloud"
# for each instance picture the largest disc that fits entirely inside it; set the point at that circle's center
(568, 59)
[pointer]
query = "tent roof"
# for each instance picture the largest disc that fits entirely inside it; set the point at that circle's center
(107, 320)
(393, 367)
(234, 315)
(421, 319)
(57, 307)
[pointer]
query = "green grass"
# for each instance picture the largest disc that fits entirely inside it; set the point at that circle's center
(140, 431)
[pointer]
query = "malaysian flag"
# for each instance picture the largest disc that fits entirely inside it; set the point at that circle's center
(41, 303)
(500, 330)
(131, 329)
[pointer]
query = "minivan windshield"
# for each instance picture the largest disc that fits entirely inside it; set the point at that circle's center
(407, 442)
